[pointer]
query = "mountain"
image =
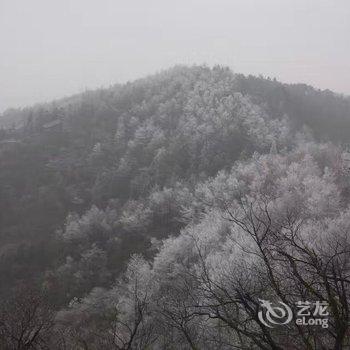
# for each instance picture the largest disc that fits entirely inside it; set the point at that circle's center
(122, 143)
(90, 180)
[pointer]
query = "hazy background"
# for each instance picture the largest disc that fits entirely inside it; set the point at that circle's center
(53, 48)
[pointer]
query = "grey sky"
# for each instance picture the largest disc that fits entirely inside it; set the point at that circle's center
(53, 48)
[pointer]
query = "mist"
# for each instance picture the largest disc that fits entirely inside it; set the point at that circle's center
(50, 49)
(174, 175)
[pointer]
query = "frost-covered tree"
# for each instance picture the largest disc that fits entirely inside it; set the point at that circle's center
(274, 228)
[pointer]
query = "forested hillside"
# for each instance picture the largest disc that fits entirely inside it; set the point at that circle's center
(154, 214)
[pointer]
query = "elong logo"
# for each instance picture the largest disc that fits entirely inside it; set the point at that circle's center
(308, 314)
(275, 315)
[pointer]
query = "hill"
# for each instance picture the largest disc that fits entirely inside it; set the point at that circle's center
(123, 143)
(90, 180)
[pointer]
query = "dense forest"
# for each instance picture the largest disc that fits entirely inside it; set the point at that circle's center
(156, 214)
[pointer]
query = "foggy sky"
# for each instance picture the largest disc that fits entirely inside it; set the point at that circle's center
(53, 48)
